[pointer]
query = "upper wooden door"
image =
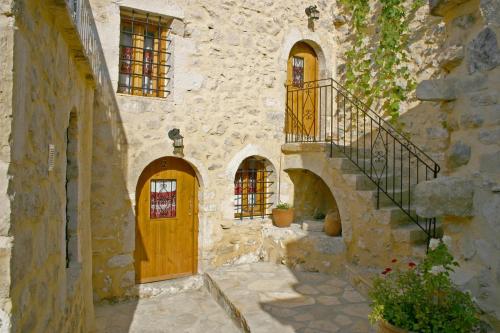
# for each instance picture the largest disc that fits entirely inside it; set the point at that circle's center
(167, 225)
(302, 98)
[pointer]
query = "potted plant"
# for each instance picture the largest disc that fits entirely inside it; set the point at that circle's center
(282, 215)
(422, 298)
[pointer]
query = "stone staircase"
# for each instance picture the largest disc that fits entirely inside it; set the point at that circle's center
(410, 238)
(403, 229)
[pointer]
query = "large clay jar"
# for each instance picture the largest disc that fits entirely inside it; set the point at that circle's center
(282, 218)
(332, 226)
(385, 327)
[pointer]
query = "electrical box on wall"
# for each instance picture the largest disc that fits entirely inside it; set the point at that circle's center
(52, 157)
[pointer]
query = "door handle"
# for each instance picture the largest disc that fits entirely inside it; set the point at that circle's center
(190, 207)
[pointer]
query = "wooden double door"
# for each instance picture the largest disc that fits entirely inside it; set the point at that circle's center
(167, 221)
(302, 92)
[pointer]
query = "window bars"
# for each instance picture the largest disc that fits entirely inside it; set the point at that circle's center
(145, 55)
(252, 189)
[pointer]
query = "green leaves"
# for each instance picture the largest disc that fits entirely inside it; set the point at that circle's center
(423, 298)
(373, 73)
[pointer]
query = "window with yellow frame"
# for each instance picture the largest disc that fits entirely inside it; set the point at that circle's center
(145, 52)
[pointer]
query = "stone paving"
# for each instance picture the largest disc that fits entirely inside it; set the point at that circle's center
(272, 298)
(261, 297)
(192, 311)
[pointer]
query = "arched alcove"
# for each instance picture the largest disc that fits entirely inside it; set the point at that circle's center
(312, 197)
(255, 183)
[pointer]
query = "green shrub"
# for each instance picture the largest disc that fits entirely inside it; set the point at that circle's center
(423, 297)
(283, 205)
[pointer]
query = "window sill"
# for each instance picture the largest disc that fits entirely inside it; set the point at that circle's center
(154, 98)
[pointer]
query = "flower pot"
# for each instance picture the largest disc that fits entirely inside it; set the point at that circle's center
(385, 327)
(332, 226)
(282, 218)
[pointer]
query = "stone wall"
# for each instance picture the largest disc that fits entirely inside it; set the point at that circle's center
(43, 84)
(465, 99)
(7, 22)
(228, 100)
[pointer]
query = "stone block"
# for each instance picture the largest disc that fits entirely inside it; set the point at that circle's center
(452, 57)
(464, 21)
(120, 261)
(440, 7)
(482, 52)
(178, 27)
(436, 90)
(484, 99)
(490, 9)
(446, 196)
(471, 119)
(490, 163)
(459, 154)
(490, 136)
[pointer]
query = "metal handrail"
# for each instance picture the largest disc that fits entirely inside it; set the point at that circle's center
(81, 14)
(385, 155)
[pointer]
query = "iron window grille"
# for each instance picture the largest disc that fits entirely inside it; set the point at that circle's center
(252, 189)
(163, 199)
(298, 71)
(145, 55)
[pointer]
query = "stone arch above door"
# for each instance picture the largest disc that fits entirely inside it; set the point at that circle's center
(323, 48)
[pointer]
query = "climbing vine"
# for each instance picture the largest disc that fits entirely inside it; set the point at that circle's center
(379, 73)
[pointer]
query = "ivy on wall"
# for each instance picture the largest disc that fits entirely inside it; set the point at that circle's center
(378, 72)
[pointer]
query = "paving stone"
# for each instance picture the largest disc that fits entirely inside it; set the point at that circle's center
(353, 296)
(191, 311)
(301, 302)
(343, 320)
(324, 325)
(307, 290)
(328, 300)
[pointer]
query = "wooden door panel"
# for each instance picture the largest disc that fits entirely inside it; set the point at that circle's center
(302, 118)
(166, 243)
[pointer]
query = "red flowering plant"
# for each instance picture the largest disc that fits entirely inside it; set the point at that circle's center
(422, 298)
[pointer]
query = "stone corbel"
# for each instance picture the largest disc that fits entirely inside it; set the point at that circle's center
(445, 196)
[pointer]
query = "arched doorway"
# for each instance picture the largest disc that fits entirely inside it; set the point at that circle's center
(302, 72)
(167, 221)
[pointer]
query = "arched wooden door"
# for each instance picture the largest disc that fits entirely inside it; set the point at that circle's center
(167, 221)
(301, 117)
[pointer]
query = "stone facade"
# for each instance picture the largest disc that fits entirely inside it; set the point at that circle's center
(466, 101)
(228, 100)
(43, 85)
(229, 67)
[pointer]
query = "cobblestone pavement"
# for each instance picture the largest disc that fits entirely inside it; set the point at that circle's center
(272, 298)
(188, 312)
(268, 298)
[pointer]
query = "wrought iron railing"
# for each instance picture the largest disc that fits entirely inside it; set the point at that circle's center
(81, 14)
(324, 111)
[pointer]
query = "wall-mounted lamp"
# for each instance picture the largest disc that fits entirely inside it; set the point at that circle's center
(175, 135)
(312, 13)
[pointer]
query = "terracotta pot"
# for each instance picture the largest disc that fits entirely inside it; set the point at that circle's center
(282, 217)
(332, 226)
(385, 327)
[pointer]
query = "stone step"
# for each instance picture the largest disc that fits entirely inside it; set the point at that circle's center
(394, 216)
(168, 287)
(313, 225)
(412, 234)
(385, 201)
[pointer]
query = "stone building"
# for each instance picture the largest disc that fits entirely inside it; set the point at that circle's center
(96, 93)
